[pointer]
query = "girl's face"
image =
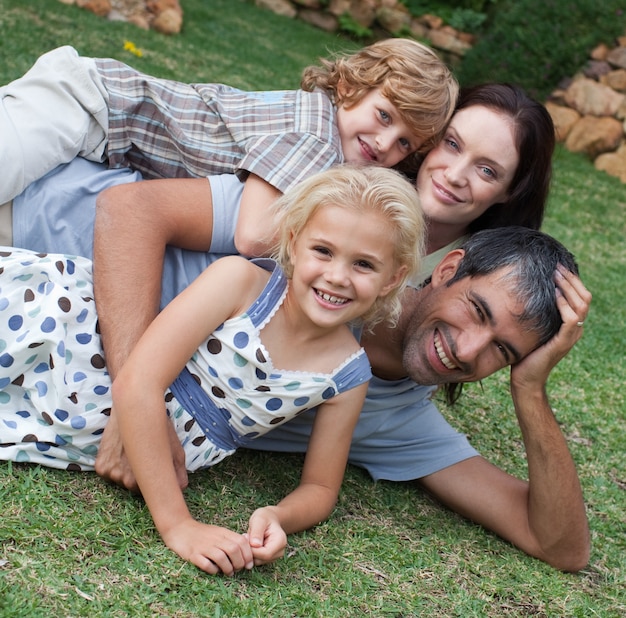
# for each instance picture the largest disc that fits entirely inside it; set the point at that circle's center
(343, 260)
(470, 169)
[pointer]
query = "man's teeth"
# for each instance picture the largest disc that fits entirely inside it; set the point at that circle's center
(442, 356)
(332, 299)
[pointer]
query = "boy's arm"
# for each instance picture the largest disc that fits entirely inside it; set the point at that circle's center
(545, 516)
(257, 228)
(324, 467)
(134, 223)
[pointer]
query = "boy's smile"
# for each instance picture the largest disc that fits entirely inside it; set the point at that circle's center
(373, 131)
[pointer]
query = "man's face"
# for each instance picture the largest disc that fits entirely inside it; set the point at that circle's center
(464, 332)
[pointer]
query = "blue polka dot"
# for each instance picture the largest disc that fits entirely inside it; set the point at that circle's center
(71, 267)
(15, 322)
(48, 325)
(6, 360)
(23, 413)
(78, 422)
(83, 338)
(4, 382)
(11, 424)
(41, 368)
(82, 316)
(273, 404)
(42, 388)
(261, 375)
(301, 401)
(79, 376)
(243, 403)
(247, 421)
(292, 386)
(61, 414)
(328, 393)
(4, 303)
(4, 397)
(61, 349)
(101, 390)
(241, 340)
(42, 446)
(235, 383)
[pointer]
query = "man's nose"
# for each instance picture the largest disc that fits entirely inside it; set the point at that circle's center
(471, 344)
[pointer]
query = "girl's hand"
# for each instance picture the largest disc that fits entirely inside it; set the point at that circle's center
(211, 548)
(267, 537)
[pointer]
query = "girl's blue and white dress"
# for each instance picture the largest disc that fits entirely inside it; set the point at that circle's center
(55, 394)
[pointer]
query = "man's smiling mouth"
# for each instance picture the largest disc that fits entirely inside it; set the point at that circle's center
(448, 364)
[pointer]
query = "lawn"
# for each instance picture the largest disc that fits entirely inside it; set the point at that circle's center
(73, 545)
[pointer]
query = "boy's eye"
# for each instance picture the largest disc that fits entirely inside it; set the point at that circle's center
(322, 250)
(405, 143)
(384, 115)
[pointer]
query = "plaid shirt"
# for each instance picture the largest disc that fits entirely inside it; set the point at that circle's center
(167, 129)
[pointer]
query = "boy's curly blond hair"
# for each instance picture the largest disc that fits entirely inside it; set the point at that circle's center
(409, 74)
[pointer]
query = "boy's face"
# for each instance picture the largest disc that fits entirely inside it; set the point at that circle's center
(373, 132)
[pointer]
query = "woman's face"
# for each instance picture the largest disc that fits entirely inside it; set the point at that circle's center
(470, 169)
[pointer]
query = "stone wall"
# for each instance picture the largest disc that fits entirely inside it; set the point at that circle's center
(388, 17)
(165, 16)
(589, 110)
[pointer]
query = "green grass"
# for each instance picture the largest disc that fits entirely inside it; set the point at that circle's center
(73, 545)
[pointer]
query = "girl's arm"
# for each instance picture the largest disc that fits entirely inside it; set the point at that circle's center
(324, 467)
(138, 401)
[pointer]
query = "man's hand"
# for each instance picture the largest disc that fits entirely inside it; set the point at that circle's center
(111, 462)
(573, 300)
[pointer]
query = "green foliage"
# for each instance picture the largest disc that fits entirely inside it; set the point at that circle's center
(464, 15)
(353, 28)
(536, 43)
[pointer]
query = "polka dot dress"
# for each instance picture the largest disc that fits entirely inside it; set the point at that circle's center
(54, 388)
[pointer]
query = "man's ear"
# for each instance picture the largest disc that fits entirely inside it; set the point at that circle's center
(447, 267)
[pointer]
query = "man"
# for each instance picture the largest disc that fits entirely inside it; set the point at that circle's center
(462, 326)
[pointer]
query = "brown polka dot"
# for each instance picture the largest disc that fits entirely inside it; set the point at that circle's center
(263, 389)
(73, 398)
(218, 392)
(168, 397)
(51, 362)
(214, 346)
(19, 380)
(30, 437)
(196, 378)
(74, 467)
(97, 361)
(65, 304)
(278, 419)
(198, 441)
(189, 424)
(47, 418)
(106, 412)
(29, 295)
(260, 356)
(35, 345)
(60, 266)
(5, 253)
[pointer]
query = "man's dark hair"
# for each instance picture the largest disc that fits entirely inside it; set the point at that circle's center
(529, 258)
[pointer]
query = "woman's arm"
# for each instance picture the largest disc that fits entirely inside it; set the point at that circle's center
(138, 401)
(324, 467)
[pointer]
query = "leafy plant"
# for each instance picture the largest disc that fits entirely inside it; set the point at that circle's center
(536, 43)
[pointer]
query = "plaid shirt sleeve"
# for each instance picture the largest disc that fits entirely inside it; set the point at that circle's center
(169, 129)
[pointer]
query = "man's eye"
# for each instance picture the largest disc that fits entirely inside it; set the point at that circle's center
(479, 312)
(505, 353)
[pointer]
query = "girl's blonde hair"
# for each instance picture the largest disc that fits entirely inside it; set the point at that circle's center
(363, 189)
(409, 74)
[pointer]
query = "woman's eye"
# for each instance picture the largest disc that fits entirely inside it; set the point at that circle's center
(487, 171)
(450, 142)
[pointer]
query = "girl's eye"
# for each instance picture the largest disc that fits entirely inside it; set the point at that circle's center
(405, 143)
(384, 115)
(322, 250)
(364, 264)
